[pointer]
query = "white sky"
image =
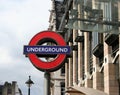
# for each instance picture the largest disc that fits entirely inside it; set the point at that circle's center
(20, 20)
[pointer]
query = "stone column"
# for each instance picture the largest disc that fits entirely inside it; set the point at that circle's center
(80, 47)
(88, 82)
(74, 60)
(74, 53)
(66, 74)
(110, 83)
(98, 79)
(70, 83)
(80, 60)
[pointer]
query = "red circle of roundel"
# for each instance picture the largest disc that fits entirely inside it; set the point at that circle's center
(52, 65)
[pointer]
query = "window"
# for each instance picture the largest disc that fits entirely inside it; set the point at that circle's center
(83, 64)
(91, 59)
(97, 46)
(77, 67)
(9, 91)
(110, 13)
(91, 66)
(107, 14)
(97, 38)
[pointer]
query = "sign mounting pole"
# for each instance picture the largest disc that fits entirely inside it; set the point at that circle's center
(47, 83)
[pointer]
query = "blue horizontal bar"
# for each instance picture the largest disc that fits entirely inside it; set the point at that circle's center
(47, 49)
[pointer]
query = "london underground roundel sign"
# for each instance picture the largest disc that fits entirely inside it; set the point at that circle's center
(37, 46)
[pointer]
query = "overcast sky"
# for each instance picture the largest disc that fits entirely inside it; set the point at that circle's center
(20, 20)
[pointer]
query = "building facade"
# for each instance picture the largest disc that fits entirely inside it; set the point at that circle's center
(91, 28)
(10, 89)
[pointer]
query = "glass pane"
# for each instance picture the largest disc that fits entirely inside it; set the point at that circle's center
(96, 16)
